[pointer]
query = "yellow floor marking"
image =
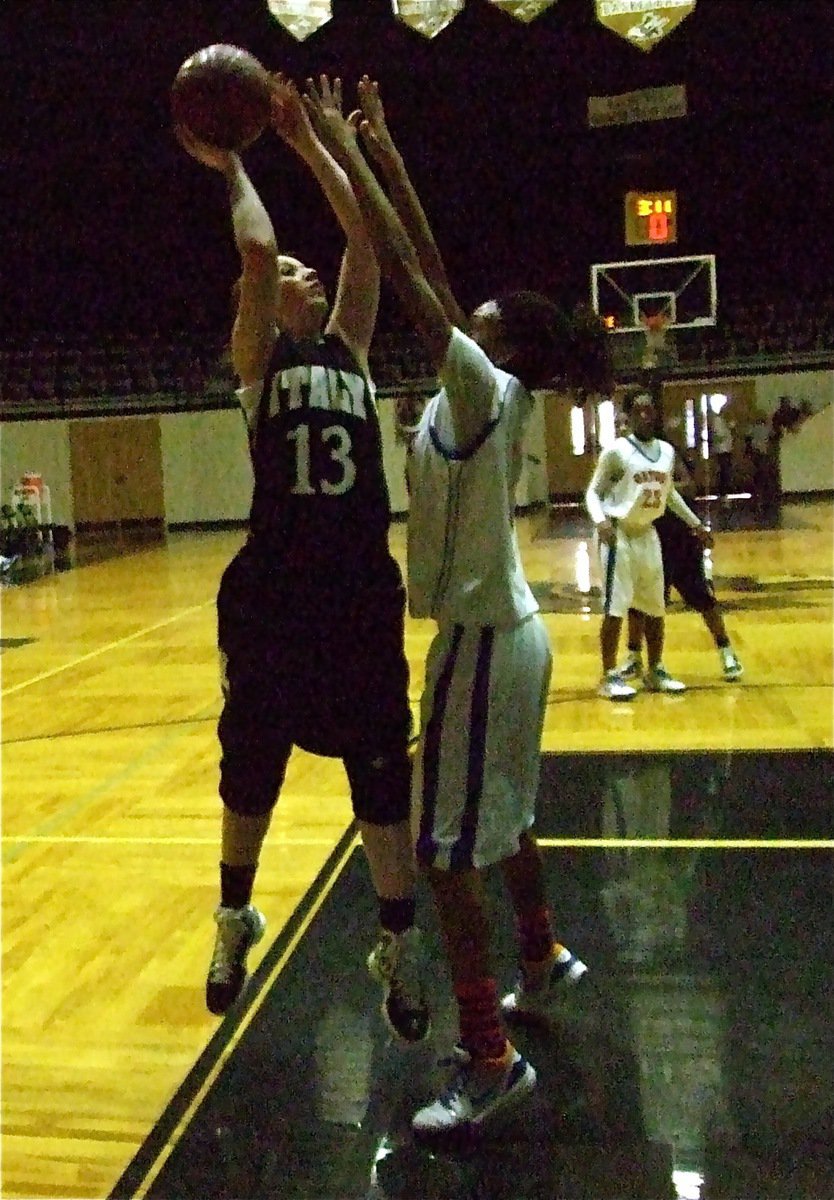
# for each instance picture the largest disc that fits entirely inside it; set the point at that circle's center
(131, 637)
(689, 843)
(246, 1021)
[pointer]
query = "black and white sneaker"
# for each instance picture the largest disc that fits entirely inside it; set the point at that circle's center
(527, 1000)
(476, 1091)
(658, 679)
(632, 668)
(238, 930)
(612, 686)
(730, 665)
(396, 962)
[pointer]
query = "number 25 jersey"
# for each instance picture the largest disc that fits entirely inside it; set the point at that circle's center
(632, 482)
(320, 505)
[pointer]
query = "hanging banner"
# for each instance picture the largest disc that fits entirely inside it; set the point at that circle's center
(643, 23)
(301, 17)
(648, 104)
(523, 10)
(428, 17)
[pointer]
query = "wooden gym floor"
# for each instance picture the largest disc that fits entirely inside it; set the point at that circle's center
(110, 834)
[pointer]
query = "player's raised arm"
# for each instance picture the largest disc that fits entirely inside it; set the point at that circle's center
(380, 145)
(254, 328)
(394, 248)
(357, 293)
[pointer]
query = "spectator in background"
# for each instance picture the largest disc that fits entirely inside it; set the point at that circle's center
(760, 449)
(721, 449)
(786, 419)
(787, 416)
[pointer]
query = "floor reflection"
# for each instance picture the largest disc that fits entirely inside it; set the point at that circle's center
(695, 1061)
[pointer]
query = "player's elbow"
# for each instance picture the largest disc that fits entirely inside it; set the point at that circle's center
(258, 256)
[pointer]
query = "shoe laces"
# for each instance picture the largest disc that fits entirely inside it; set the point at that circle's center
(231, 931)
(465, 1075)
(451, 1094)
(387, 955)
(405, 979)
(221, 963)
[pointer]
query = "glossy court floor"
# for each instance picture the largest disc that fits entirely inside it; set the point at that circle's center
(688, 850)
(696, 1060)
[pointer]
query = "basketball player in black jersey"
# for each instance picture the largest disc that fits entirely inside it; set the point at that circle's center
(311, 610)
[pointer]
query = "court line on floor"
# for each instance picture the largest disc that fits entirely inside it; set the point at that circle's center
(82, 840)
(637, 843)
(49, 827)
(143, 1170)
(131, 637)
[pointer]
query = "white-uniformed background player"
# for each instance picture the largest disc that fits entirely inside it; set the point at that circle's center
(631, 487)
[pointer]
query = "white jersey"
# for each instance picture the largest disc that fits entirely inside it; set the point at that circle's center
(464, 563)
(633, 483)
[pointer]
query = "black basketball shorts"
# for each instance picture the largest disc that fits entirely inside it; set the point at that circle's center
(321, 668)
(683, 563)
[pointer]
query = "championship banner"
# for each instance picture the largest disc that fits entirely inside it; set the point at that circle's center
(648, 104)
(643, 22)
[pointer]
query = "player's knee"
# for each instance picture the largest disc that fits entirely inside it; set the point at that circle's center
(700, 599)
(250, 782)
(246, 798)
(380, 786)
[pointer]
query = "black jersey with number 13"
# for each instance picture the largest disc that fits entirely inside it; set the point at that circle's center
(320, 506)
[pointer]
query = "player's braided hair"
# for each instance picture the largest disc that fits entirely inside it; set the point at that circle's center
(553, 346)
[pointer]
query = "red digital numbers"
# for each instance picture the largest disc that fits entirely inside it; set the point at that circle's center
(658, 226)
(651, 218)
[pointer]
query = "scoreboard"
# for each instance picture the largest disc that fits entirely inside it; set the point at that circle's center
(651, 218)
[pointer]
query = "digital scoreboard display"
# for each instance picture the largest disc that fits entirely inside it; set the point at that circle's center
(651, 218)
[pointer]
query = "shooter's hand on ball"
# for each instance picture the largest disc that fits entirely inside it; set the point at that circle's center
(289, 117)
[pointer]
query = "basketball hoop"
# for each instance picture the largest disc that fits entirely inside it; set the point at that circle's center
(654, 326)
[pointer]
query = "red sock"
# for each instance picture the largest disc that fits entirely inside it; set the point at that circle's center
(480, 1019)
(535, 935)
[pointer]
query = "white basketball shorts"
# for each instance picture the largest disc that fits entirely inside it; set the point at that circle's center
(632, 574)
(476, 769)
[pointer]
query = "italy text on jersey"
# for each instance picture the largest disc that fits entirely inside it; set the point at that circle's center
(318, 387)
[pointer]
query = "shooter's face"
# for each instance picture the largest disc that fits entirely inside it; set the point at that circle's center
(302, 303)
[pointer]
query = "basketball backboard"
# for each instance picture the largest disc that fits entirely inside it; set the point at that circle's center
(683, 289)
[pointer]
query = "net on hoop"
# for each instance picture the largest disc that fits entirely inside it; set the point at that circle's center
(658, 349)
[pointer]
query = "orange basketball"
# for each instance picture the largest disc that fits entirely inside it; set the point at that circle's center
(221, 94)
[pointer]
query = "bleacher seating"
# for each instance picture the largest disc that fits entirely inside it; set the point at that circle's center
(64, 371)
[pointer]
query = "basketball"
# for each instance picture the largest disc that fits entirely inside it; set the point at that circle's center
(221, 94)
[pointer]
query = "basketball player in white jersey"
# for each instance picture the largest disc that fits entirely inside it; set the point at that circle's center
(311, 610)
(631, 487)
(488, 668)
